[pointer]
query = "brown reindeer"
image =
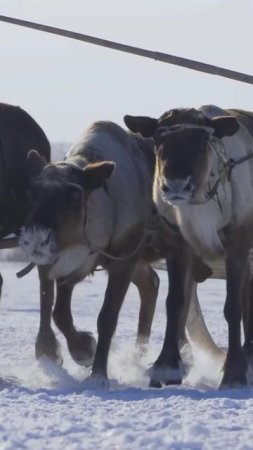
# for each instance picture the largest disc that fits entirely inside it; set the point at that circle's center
(88, 211)
(83, 217)
(18, 134)
(203, 185)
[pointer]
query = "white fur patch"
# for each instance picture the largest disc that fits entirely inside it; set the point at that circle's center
(199, 225)
(71, 259)
(38, 245)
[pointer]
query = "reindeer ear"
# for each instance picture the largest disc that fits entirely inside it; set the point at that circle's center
(140, 124)
(36, 163)
(224, 126)
(94, 175)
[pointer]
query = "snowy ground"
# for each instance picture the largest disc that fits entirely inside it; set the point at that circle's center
(46, 407)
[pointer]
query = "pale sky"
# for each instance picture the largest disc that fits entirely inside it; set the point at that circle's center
(65, 85)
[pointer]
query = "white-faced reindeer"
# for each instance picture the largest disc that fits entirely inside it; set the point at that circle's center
(83, 217)
(203, 185)
(88, 211)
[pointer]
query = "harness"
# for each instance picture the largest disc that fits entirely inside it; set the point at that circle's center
(149, 227)
(224, 168)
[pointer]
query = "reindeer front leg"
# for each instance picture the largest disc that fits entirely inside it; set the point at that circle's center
(46, 342)
(147, 283)
(120, 274)
(235, 368)
(167, 368)
(248, 317)
(81, 344)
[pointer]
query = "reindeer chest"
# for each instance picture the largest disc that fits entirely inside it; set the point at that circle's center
(200, 225)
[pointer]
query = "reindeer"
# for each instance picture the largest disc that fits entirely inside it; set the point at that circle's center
(203, 186)
(81, 218)
(88, 211)
(18, 134)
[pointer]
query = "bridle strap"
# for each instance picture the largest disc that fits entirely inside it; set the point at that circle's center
(227, 166)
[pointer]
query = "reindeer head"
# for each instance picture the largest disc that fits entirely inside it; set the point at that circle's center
(184, 157)
(59, 196)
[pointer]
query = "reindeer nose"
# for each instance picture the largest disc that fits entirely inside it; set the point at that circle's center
(37, 252)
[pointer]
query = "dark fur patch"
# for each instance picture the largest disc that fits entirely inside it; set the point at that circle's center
(19, 133)
(183, 153)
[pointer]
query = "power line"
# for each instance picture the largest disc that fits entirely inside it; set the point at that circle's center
(157, 56)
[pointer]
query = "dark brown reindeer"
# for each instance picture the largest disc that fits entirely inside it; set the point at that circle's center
(203, 185)
(18, 134)
(87, 212)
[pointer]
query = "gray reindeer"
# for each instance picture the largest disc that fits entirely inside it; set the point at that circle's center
(203, 186)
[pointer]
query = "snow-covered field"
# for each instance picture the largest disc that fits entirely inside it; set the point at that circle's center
(43, 406)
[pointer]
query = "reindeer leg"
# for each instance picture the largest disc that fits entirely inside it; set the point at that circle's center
(248, 316)
(46, 342)
(198, 331)
(1, 284)
(235, 367)
(81, 344)
(147, 282)
(167, 368)
(120, 274)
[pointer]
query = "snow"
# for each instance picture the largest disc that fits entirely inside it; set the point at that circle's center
(43, 406)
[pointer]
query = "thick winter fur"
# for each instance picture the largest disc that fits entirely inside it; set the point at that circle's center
(82, 210)
(18, 134)
(191, 146)
(113, 216)
(85, 206)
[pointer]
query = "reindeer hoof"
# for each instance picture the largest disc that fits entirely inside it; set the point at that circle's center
(155, 384)
(96, 381)
(233, 382)
(48, 345)
(164, 375)
(234, 375)
(82, 347)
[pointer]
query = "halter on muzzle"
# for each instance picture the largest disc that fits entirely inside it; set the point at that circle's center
(224, 165)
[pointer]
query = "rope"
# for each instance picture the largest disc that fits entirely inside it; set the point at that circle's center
(225, 171)
(157, 56)
(21, 273)
(27, 269)
(117, 258)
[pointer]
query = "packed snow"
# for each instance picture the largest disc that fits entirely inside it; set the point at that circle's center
(44, 406)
